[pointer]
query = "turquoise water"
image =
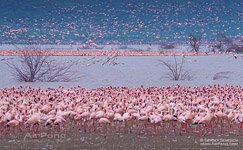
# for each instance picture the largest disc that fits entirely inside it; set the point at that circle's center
(117, 21)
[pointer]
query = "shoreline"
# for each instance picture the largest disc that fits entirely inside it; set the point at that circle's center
(100, 53)
(109, 50)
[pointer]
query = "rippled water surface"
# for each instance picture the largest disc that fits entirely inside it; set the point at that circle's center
(114, 21)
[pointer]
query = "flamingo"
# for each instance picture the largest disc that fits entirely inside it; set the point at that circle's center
(7, 117)
(104, 121)
(13, 123)
(201, 105)
(46, 109)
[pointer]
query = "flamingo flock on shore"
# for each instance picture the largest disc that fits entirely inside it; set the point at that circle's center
(178, 109)
(99, 53)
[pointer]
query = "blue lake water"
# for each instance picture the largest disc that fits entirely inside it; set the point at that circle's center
(117, 21)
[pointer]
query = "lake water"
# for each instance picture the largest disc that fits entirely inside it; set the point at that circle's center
(117, 21)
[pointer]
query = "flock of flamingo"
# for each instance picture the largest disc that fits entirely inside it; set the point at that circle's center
(98, 53)
(200, 110)
(133, 22)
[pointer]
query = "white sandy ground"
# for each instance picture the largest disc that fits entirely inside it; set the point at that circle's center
(139, 70)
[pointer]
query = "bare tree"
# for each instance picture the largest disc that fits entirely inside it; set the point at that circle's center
(34, 65)
(176, 69)
(225, 44)
(222, 43)
(195, 42)
(109, 60)
(112, 60)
